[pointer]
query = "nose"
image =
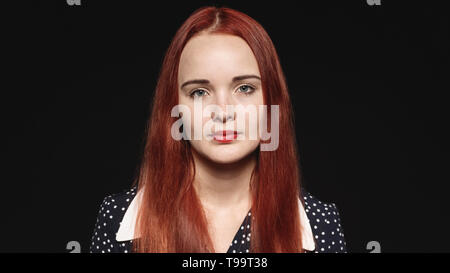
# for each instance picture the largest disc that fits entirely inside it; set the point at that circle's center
(223, 116)
(224, 98)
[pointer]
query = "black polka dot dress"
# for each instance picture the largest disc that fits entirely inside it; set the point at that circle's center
(241, 241)
(323, 218)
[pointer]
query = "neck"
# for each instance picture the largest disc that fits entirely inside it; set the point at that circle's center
(223, 186)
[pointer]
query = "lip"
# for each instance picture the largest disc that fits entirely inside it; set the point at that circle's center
(225, 136)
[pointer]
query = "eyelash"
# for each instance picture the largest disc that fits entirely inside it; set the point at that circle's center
(192, 94)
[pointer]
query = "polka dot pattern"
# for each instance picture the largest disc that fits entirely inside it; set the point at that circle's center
(324, 220)
(241, 241)
(109, 218)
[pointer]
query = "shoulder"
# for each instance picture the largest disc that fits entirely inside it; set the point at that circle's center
(110, 214)
(325, 222)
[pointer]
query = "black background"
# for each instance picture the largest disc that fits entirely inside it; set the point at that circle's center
(367, 83)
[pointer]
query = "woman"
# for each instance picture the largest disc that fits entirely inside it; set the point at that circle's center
(223, 191)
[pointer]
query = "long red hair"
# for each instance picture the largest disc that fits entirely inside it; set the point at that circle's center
(171, 218)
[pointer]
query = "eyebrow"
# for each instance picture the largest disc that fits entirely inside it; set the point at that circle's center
(235, 79)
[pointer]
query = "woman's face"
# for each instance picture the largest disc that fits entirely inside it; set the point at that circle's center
(220, 70)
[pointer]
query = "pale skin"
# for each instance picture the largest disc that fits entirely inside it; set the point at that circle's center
(223, 170)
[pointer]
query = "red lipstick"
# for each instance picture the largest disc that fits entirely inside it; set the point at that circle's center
(225, 136)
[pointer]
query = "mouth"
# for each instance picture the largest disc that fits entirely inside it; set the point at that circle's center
(225, 136)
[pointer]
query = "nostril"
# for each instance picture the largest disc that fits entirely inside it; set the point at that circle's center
(222, 116)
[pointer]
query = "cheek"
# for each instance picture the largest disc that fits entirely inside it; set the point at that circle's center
(190, 120)
(253, 120)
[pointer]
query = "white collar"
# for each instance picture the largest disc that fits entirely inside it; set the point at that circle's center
(126, 229)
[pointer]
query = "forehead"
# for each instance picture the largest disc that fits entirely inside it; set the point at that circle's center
(216, 57)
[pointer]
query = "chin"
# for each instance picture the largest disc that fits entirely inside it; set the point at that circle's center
(227, 154)
(221, 157)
